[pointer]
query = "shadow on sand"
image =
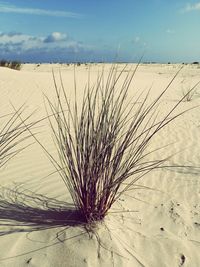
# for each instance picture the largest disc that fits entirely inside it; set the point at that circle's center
(24, 211)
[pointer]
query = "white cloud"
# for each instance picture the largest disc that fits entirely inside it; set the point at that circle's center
(55, 37)
(29, 48)
(191, 7)
(5, 8)
(20, 43)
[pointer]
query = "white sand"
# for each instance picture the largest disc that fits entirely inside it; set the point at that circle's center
(164, 230)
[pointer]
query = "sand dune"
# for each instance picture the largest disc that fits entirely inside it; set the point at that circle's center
(151, 228)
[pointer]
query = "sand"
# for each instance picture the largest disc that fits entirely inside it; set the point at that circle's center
(154, 227)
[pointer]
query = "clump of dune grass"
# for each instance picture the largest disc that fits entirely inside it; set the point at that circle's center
(188, 92)
(3, 63)
(103, 142)
(12, 133)
(16, 65)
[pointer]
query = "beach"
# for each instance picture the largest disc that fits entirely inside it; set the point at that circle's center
(154, 225)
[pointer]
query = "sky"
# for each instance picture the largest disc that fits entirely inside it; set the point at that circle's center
(100, 30)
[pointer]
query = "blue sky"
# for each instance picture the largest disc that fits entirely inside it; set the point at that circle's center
(94, 30)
